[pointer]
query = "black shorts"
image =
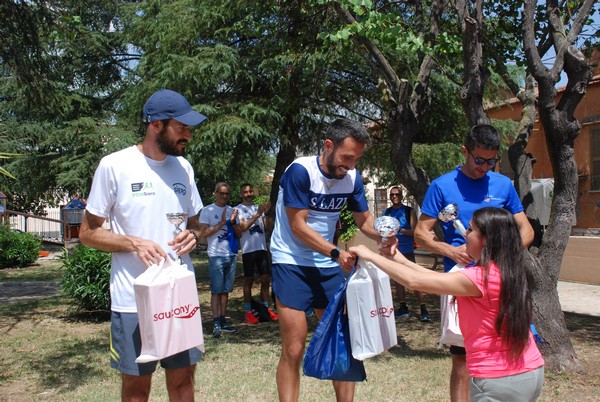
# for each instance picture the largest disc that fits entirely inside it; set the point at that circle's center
(256, 259)
(457, 350)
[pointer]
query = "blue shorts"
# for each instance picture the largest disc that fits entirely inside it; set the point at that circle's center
(222, 273)
(126, 346)
(301, 287)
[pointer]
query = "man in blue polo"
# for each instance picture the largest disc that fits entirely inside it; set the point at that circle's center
(307, 265)
(471, 186)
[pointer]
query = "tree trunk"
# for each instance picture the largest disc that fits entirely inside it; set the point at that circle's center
(522, 162)
(402, 128)
(476, 75)
(561, 128)
(406, 107)
(285, 156)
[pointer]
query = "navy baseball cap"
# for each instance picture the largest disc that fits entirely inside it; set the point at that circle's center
(167, 104)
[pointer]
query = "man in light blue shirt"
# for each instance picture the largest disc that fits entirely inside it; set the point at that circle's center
(307, 266)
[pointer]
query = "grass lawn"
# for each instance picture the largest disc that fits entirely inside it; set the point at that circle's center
(50, 352)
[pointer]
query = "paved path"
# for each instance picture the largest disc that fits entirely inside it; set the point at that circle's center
(579, 298)
(17, 291)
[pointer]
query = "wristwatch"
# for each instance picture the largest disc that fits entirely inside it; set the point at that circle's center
(335, 254)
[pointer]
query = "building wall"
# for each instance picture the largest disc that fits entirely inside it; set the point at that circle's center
(588, 113)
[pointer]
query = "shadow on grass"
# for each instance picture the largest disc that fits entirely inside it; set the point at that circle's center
(14, 313)
(68, 364)
(582, 327)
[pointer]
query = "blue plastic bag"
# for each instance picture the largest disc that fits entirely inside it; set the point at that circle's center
(329, 356)
(234, 243)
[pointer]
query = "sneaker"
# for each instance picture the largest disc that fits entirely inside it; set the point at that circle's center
(227, 328)
(216, 330)
(274, 317)
(250, 317)
(425, 317)
(402, 312)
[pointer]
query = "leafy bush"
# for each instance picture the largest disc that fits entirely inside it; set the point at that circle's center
(349, 227)
(86, 277)
(18, 249)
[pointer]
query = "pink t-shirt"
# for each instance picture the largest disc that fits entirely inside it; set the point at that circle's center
(487, 354)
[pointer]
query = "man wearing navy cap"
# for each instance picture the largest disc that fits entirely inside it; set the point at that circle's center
(135, 188)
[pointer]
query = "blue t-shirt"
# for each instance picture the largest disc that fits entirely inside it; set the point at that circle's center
(405, 243)
(305, 186)
(492, 190)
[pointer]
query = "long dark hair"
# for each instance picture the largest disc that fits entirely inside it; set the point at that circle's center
(503, 247)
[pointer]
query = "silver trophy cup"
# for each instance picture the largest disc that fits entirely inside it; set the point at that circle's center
(450, 214)
(386, 226)
(177, 218)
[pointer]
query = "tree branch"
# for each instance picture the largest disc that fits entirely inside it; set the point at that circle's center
(388, 71)
(534, 61)
(582, 15)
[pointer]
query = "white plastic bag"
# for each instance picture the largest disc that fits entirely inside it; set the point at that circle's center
(370, 312)
(451, 334)
(168, 311)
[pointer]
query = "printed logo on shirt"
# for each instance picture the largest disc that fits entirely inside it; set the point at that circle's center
(255, 229)
(327, 202)
(142, 189)
(179, 189)
(490, 197)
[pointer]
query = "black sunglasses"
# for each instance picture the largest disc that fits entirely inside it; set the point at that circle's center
(480, 161)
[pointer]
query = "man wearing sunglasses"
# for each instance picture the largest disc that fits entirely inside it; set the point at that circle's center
(471, 186)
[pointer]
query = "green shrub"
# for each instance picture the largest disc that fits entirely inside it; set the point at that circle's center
(349, 227)
(18, 249)
(86, 277)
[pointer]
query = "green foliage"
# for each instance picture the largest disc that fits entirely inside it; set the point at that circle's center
(6, 155)
(349, 227)
(437, 159)
(57, 160)
(17, 249)
(86, 277)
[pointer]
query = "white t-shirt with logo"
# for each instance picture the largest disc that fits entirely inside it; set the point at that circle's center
(218, 244)
(136, 193)
(252, 239)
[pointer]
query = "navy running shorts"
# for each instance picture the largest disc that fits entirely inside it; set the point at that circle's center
(302, 287)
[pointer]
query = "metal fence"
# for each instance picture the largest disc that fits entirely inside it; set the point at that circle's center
(587, 209)
(58, 226)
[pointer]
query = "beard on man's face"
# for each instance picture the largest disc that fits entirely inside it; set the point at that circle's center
(332, 169)
(167, 146)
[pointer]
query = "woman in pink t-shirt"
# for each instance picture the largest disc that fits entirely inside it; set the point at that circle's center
(494, 304)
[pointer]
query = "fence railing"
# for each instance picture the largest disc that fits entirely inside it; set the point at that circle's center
(59, 226)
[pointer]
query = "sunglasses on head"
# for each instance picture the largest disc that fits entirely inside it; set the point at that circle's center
(480, 161)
